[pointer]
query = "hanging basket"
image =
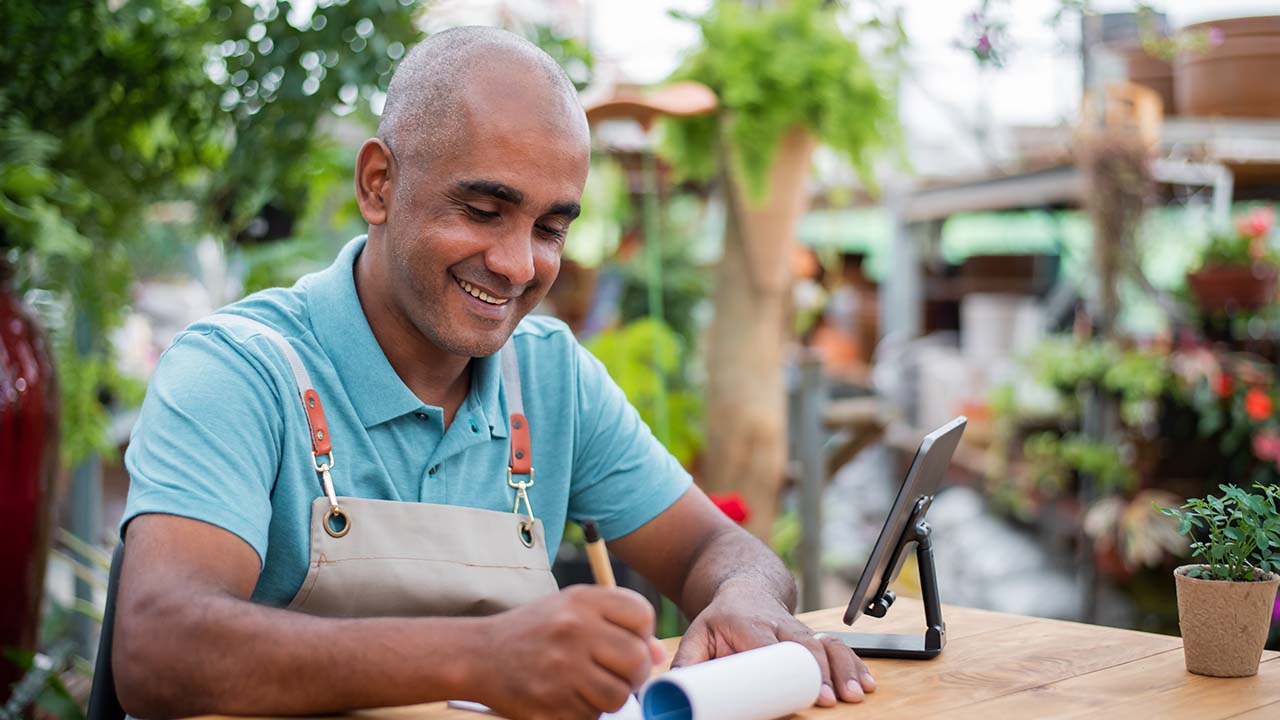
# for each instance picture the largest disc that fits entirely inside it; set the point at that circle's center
(1233, 287)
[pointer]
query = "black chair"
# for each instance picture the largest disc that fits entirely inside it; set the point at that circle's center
(104, 704)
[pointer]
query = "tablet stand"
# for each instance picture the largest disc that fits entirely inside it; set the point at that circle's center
(918, 647)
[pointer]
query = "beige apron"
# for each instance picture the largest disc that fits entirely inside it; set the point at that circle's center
(387, 558)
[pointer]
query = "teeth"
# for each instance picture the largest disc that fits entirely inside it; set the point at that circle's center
(480, 294)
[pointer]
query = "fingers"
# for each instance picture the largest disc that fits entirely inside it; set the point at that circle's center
(802, 635)
(657, 651)
(627, 657)
(849, 675)
(603, 691)
(695, 646)
(627, 609)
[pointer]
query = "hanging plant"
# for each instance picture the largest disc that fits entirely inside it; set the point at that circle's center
(787, 66)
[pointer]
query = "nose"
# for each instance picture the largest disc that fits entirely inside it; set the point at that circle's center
(512, 258)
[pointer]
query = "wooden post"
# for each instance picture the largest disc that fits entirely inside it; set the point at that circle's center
(749, 334)
(810, 447)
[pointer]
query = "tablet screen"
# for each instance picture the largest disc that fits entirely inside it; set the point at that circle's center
(923, 478)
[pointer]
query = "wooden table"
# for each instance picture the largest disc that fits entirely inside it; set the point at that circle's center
(998, 667)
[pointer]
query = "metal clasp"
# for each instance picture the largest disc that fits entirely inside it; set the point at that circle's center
(335, 510)
(525, 530)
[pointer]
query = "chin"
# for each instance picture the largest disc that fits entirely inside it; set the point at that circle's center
(474, 344)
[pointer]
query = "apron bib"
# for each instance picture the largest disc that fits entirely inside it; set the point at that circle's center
(374, 558)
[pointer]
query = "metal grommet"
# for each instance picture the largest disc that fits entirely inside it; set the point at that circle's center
(337, 511)
(526, 533)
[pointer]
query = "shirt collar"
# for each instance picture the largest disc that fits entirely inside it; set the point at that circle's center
(375, 390)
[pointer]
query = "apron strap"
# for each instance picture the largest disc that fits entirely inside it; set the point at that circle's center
(521, 462)
(318, 426)
(521, 448)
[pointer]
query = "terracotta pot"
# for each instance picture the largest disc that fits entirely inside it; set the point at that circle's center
(1236, 78)
(1224, 624)
(1239, 287)
(28, 453)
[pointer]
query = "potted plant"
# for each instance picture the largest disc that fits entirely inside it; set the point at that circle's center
(1239, 268)
(1225, 604)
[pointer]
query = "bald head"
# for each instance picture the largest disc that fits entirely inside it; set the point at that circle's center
(437, 85)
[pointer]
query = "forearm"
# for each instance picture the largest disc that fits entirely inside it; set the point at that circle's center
(734, 560)
(223, 655)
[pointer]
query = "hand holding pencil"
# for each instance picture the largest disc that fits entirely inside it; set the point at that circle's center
(596, 641)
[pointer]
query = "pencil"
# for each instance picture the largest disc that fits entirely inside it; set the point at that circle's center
(598, 555)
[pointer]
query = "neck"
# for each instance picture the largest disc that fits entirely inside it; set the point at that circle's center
(436, 376)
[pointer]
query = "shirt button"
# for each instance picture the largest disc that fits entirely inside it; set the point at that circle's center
(474, 427)
(433, 469)
(421, 416)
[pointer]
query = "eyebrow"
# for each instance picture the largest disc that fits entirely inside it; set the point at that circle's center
(506, 193)
(498, 190)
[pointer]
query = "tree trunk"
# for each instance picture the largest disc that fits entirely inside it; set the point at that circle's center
(749, 334)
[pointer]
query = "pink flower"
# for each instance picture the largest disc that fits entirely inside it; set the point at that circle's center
(1258, 223)
(1216, 36)
(1266, 445)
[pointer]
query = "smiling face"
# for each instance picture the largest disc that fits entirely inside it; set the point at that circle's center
(472, 237)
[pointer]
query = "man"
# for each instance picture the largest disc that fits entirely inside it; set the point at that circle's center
(423, 395)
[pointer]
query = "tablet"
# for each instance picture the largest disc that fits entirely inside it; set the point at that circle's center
(923, 478)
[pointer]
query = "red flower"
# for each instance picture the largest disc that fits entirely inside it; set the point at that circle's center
(1257, 404)
(1223, 386)
(733, 505)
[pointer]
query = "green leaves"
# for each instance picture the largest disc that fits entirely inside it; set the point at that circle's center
(1242, 529)
(773, 69)
(641, 356)
(109, 108)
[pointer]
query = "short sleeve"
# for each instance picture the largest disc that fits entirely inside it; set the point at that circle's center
(622, 476)
(207, 442)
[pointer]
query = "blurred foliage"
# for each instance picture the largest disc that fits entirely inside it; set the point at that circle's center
(1158, 43)
(1065, 371)
(41, 687)
(1137, 377)
(789, 64)
(785, 539)
(606, 210)
(569, 52)
(49, 675)
(1247, 243)
(1056, 460)
(685, 282)
(640, 357)
(108, 108)
(330, 219)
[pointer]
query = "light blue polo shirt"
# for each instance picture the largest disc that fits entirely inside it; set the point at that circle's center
(222, 436)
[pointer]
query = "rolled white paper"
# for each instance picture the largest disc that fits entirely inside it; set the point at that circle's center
(760, 684)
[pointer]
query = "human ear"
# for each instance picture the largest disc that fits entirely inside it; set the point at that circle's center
(375, 167)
